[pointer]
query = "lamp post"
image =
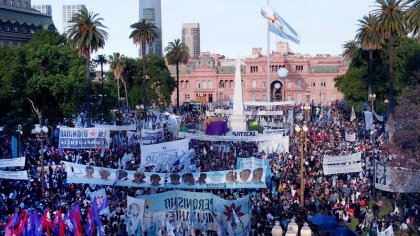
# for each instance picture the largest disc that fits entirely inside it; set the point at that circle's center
(308, 94)
(20, 132)
(201, 95)
(41, 132)
(306, 110)
(372, 98)
(302, 132)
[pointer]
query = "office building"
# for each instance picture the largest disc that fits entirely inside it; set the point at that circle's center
(151, 10)
(18, 22)
(44, 9)
(191, 38)
(68, 12)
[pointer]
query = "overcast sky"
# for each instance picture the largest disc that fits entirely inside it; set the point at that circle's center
(231, 27)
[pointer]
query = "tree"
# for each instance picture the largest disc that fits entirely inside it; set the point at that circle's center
(87, 35)
(391, 24)
(177, 53)
(144, 32)
(350, 48)
(117, 65)
(370, 40)
(413, 16)
(101, 60)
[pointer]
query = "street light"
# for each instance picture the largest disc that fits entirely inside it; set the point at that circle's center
(372, 98)
(306, 110)
(277, 230)
(20, 132)
(308, 94)
(283, 73)
(41, 133)
(302, 131)
(201, 95)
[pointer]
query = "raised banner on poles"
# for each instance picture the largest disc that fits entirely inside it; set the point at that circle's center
(350, 137)
(228, 179)
(183, 211)
(117, 127)
(149, 136)
(155, 154)
(83, 138)
(342, 164)
(135, 214)
(16, 175)
(396, 179)
(11, 162)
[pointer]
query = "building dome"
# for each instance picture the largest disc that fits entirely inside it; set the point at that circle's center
(206, 62)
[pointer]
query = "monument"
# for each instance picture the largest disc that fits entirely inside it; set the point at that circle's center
(237, 119)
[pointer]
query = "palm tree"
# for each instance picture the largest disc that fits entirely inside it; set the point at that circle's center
(144, 32)
(87, 35)
(177, 53)
(350, 48)
(117, 65)
(413, 17)
(391, 24)
(370, 40)
(101, 59)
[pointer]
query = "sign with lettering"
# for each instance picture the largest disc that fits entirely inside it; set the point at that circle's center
(242, 133)
(83, 138)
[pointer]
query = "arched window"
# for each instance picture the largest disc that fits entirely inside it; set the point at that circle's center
(187, 84)
(210, 84)
(204, 84)
(221, 84)
(254, 84)
(181, 84)
(231, 84)
(198, 85)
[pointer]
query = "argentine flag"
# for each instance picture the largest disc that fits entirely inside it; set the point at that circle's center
(278, 25)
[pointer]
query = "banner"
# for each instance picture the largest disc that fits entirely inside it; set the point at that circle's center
(378, 117)
(229, 179)
(117, 127)
(387, 232)
(266, 104)
(83, 138)
(275, 131)
(17, 175)
(350, 137)
(342, 164)
(278, 145)
(250, 113)
(183, 211)
(217, 128)
(252, 163)
(214, 138)
(12, 162)
(393, 179)
(135, 213)
(368, 120)
(155, 154)
(149, 136)
(242, 133)
(101, 201)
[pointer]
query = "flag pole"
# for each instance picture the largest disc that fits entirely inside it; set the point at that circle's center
(268, 58)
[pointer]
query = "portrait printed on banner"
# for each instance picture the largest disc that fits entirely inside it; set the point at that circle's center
(380, 174)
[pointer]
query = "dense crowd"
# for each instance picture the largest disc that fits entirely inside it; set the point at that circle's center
(344, 196)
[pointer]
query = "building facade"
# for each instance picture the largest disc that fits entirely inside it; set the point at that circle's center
(212, 78)
(18, 22)
(191, 38)
(151, 10)
(68, 12)
(44, 9)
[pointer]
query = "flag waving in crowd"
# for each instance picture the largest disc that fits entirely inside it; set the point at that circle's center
(278, 25)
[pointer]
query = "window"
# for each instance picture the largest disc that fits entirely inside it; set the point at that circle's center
(18, 4)
(198, 85)
(231, 84)
(299, 97)
(11, 3)
(299, 83)
(254, 84)
(187, 84)
(299, 68)
(254, 97)
(210, 83)
(254, 69)
(204, 84)
(323, 84)
(313, 84)
(289, 98)
(289, 85)
(263, 84)
(186, 96)
(221, 84)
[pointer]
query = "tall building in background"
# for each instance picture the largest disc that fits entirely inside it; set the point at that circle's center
(191, 37)
(18, 22)
(68, 12)
(44, 9)
(151, 10)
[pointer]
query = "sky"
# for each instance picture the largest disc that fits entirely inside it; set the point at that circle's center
(230, 27)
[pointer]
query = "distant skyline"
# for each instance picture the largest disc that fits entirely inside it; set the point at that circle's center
(231, 27)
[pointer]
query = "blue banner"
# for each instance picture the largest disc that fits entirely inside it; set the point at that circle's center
(228, 179)
(14, 147)
(84, 138)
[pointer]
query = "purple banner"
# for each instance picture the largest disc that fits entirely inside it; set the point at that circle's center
(217, 128)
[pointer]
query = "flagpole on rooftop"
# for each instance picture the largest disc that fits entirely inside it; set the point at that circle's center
(268, 58)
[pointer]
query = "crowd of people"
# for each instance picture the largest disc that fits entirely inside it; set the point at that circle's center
(347, 197)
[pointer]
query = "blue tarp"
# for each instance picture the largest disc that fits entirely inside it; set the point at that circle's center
(328, 226)
(321, 219)
(343, 231)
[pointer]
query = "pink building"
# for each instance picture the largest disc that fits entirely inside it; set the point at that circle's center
(211, 76)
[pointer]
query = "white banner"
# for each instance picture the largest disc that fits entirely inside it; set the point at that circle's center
(12, 162)
(149, 136)
(17, 175)
(250, 113)
(354, 157)
(350, 137)
(378, 117)
(265, 104)
(242, 133)
(84, 138)
(368, 120)
(388, 232)
(117, 127)
(342, 164)
(393, 179)
(135, 213)
(152, 155)
(277, 145)
(274, 131)
(216, 138)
